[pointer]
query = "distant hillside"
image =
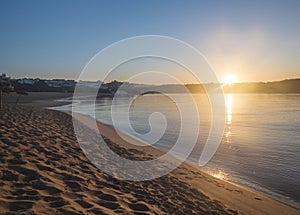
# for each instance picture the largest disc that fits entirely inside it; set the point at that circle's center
(285, 86)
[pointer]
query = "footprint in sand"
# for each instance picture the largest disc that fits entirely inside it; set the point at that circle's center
(39, 185)
(20, 205)
(75, 186)
(108, 197)
(139, 207)
(58, 203)
(84, 204)
(9, 176)
(109, 205)
(96, 211)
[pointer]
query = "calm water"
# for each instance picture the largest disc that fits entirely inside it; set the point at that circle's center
(261, 143)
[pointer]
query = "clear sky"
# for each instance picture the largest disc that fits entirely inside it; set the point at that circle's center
(253, 40)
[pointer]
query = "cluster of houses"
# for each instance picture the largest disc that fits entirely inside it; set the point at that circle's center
(3, 77)
(32, 81)
(36, 84)
(50, 83)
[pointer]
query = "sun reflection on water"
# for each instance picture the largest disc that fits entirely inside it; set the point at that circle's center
(220, 175)
(228, 132)
(228, 136)
(229, 108)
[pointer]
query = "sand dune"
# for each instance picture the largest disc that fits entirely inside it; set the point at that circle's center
(44, 171)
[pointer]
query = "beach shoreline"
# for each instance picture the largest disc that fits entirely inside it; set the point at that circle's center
(237, 182)
(136, 141)
(213, 195)
(109, 132)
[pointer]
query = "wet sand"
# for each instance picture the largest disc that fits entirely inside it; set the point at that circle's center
(37, 99)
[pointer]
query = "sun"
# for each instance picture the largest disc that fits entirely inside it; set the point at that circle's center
(229, 79)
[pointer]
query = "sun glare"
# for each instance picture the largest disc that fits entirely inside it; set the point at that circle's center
(220, 175)
(229, 79)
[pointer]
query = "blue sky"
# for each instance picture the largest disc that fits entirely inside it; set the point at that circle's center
(254, 40)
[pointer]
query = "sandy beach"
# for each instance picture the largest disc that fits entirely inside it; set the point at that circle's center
(149, 107)
(44, 171)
